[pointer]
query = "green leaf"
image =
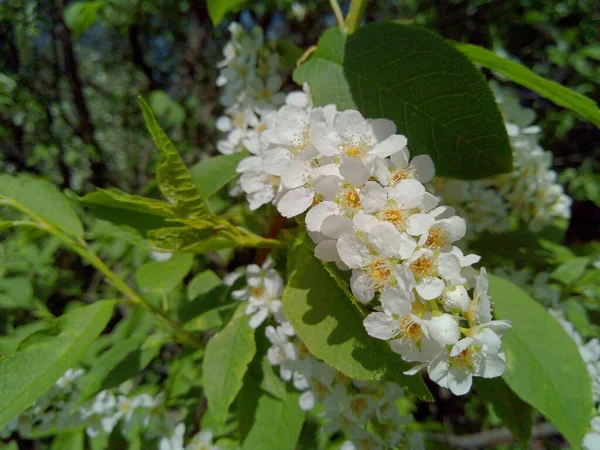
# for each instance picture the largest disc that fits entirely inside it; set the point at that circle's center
(577, 315)
(218, 8)
(173, 177)
(188, 239)
(202, 283)
(570, 270)
(164, 276)
(543, 365)
(433, 93)
(16, 292)
(31, 195)
(79, 16)
(211, 174)
(516, 415)
(71, 440)
(289, 53)
(120, 208)
(124, 354)
(333, 330)
(226, 360)
(28, 373)
(519, 74)
(277, 424)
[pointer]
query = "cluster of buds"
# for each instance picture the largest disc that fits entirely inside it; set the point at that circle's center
(251, 81)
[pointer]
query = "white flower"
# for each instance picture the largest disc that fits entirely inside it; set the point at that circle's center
(430, 271)
(282, 352)
(203, 440)
(175, 441)
(480, 355)
(263, 293)
(101, 414)
(400, 167)
(480, 310)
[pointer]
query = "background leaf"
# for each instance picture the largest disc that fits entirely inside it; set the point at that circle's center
(555, 92)
(211, 174)
(330, 325)
(277, 424)
(71, 440)
(543, 365)
(433, 93)
(43, 199)
(164, 276)
(227, 357)
(29, 372)
(218, 8)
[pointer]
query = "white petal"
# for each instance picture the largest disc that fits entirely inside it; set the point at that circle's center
(324, 139)
(385, 239)
(408, 193)
(460, 381)
(353, 252)
(455, 227)
(318, 213)
(307, 401)
(373, 197)
(438, 369)
(334, 226)
(456, 297)
(419, 224)
(327, 251)
(248, 163)
(423, 164)
(396, 301)
(430, 287)
(354, 171)
(381, 326)
(391, 145)
(382, 129)
(295, 202)
(362, 286)
(349, 123)
(364, 222)
(448, 266)
(294, 174)
(407, 246)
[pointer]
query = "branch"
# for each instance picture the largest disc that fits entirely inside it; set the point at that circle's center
(491, 438)
(138, 56)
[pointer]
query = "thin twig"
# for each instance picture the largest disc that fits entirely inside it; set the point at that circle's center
(491, 438)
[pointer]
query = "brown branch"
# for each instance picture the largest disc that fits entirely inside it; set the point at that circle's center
(491, 438)
(138, 56)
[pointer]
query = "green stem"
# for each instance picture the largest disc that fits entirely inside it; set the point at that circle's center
(355, 16)
(338, 13)
(80, 247)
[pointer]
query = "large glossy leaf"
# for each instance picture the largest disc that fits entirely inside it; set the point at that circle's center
(42, 199)
(330, 325)
(227, 357)
(118, 207)
(543, 365)
(277, 424)
(164, 276)
(70, 440)
(520, 74)
(516, 415)
(40, 360)
(172, 175)
(433, 93)
(212, 174)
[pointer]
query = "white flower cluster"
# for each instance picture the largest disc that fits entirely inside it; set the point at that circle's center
(368, 210)
(530, 194)
(590, 353)
(348, 405)
(251, 80)
(59, 409)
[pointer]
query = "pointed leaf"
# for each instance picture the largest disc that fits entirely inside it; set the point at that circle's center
(27, 193)
(432, 92)
(226, 360)
(555, 92)
(164, 276)
(172, 175)
(41, 360)
(543, 364)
